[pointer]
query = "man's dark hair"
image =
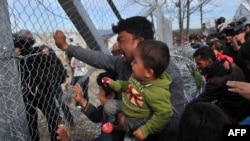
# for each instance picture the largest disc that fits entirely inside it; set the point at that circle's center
(155, 55)
(206, 53)
(138, 26)
(202, 121)
(108, 91)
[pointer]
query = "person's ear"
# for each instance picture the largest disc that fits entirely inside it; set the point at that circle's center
(149, 73)
(140, 39)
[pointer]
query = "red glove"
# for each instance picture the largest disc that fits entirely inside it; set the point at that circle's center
(106, 80)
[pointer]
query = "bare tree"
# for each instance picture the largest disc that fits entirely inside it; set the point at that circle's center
(184, 10)
(181, 14)
(188, 17)
(197, 5)
(192, 9)
(201, 5)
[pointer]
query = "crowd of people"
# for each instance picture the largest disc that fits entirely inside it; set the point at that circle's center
(219, 71)
(141, 91)
(130, 32)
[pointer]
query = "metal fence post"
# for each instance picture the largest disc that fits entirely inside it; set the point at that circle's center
(13, 121)
(164, 28)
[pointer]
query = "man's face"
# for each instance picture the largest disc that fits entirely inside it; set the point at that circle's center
(116, 50)
(203, 65)
(127, 44)
(229, 39)
(240, 37)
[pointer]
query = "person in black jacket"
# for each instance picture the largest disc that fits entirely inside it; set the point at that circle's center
(39, 76)
(234, 106)
(59, 74)
(95, 114)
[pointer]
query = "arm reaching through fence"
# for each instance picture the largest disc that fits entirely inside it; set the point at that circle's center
(62, 134)
(79, 96)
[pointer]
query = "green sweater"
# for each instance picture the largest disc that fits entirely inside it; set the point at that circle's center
(142, 99)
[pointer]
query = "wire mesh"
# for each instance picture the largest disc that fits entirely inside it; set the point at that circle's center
(42, 18)
(33, 79)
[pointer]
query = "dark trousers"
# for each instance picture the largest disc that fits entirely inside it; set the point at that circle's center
(45, 101)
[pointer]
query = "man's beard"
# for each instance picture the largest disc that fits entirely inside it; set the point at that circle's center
(204, 71)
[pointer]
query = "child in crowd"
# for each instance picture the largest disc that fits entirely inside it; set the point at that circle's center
(218, 47)
(145, 108)
(95, 114)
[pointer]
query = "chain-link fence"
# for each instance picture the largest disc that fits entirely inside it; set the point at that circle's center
(29, 76)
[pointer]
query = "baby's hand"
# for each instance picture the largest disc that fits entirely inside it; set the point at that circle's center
(62, 133)
(106, 80)
(138, 134)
